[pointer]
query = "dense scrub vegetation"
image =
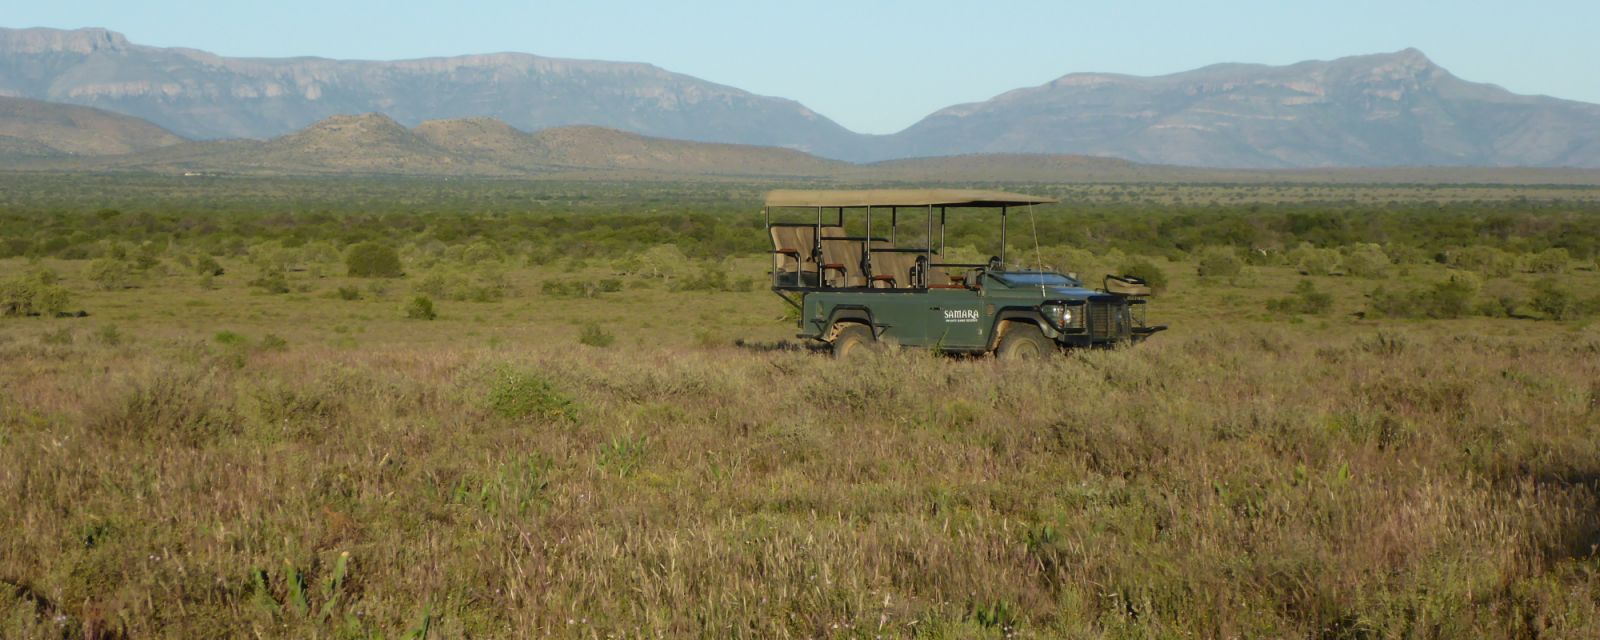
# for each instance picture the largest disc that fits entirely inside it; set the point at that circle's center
(381, 409)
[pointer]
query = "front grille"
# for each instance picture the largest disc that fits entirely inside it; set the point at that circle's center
(1102, 320)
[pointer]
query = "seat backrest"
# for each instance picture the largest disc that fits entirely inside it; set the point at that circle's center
(846, 253)
(893, 263)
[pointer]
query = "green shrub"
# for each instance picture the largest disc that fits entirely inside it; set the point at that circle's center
(110, 274)
(272, 280)
(348, 293)
(1488, 261)
(206, 265)
(14, 247)
(1306, 299)
(1219, 262)
(595, 336)
(1550, 261)
(32, 295)
(1313, 261)
(1366, 261)
(1148, 271)
(1449, 298)
(421, 308)
(373, 260)
(485, 286)
(519, 395)
(1502, 299)
(1552, 299)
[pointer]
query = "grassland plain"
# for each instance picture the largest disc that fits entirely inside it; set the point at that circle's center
(203, 457)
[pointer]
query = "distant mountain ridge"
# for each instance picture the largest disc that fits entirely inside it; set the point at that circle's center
(1396, 109)
(206, 96)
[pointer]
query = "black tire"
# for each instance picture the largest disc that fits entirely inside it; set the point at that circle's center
(1023, 341)
(853, 340)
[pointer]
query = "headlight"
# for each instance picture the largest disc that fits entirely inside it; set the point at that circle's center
(1061, 315)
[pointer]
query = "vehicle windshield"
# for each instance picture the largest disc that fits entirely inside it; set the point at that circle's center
(1036, 278)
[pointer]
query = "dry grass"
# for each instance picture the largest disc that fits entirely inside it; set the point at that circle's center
(1262, 480)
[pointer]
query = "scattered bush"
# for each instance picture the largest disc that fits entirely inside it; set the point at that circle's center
(348, 293)
(33, 295)
(1366, 260)
(1488, 261)
(1553, 300)
(110, 274)
(272, 280)
(1313, 261)
(1502, 299)
(595, 336)
(713, 277)
(1449, 298)
(1219, 262)
(421, 308)
(1147, 270)
(206, 265)
(1306, 299)
(485, 286)
(519, 395)
(1550, 261)
(373, 260)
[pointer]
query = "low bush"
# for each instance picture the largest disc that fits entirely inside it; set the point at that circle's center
(421, 308)
(110, 274)
(1306, 299)
(373, 260)
(595, 336)
(1448, 298)
(1366, 261)
(32, 295)
(521, 395)
(1219, 262)
(1147, 270)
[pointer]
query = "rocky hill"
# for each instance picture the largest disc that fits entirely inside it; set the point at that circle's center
(41, 129)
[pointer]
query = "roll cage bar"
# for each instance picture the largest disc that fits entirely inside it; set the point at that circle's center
(793, 246)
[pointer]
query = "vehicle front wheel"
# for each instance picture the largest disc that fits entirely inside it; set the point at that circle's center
(1022, 342)
(854, 339)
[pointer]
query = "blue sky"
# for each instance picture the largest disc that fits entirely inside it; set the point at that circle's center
(877, 67)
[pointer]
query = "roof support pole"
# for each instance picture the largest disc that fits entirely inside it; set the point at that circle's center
(927, 247)
(816, 250)
(866, 250)
(1002, 237)
(941, 232)
(894, 222)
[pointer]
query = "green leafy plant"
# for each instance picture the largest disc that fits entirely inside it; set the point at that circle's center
(623, 455)
(421, 308)
(520, 395)
(373, 260)
(595, 336)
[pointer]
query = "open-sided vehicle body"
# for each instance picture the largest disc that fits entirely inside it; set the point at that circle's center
(856, 289)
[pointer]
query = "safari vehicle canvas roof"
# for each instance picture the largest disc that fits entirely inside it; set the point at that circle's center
(901, 198)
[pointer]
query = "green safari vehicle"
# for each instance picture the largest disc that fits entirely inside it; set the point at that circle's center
(857, 290)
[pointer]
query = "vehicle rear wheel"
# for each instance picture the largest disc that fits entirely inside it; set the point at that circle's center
(1022, 342)
(853, 340)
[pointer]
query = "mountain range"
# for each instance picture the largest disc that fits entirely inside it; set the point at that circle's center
(520, 112)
